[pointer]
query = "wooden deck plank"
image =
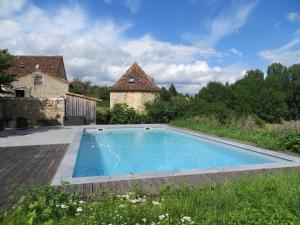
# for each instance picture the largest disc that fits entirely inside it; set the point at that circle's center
(27, 165)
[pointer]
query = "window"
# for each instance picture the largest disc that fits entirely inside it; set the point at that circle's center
(20, 93)
(38, 80)
(131, 80)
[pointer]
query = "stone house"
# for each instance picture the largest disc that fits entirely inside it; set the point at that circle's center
(41, 95)
(39, 77)
(134, 89)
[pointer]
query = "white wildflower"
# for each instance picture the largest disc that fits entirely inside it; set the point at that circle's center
(122, 206)
(79, 209)
(155, 203)
(57, 206)
(63, 206)
(137, 200)
(144, 220)
(124, 196)
(133, 201)
(186, 218)
(81, 202)
(152, 223)
(161, 217)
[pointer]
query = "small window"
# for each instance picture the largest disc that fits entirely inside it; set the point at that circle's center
(131, 80)
(38, 80)
(22, 65)
(20, 93)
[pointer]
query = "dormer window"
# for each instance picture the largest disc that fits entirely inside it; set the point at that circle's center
(38, 80)
(131, 80)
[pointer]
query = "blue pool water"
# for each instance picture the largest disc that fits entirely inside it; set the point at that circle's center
(131, 151)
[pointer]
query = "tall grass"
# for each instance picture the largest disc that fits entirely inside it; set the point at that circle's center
(245, 129)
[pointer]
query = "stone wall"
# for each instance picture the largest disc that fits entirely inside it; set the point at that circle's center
(136, 100)
(35, 111)
(49, 86)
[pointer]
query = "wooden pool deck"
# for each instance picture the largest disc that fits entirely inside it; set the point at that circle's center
(36, 165)
(27, 166)
(153, 185)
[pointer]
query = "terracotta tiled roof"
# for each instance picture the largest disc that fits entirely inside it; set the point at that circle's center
(50, 65)
(135, 79)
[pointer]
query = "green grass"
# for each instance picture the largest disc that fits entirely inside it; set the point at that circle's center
(261, 137)
(272, 199)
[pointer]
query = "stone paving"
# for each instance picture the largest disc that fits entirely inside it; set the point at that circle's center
(37, 136)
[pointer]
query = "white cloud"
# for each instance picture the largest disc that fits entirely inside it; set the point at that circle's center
(147, 49)
(133, 5)
(230, 21)
(287, 54)
(101, 52)
(235, 51)
(293, 17)
(227, 22)
(9, 6)
(198, 72)
(108, 1)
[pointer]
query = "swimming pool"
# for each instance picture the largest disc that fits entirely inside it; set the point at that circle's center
(111, 152)
(105, 153)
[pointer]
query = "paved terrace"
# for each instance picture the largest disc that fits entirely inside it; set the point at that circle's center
(32, 156)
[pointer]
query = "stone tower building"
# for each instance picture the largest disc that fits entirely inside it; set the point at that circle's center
(134, 89)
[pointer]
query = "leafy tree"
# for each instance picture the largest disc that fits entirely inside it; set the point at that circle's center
(182, 105)
(216, 92)
(160, 111)
(6, 61)
(81, 87)
(85, 88)
(245, 91)
(172, 90)
(277, 77)
(293, 94)
(270, 105)
(165, 94)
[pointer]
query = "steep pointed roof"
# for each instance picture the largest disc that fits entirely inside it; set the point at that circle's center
(135, 79)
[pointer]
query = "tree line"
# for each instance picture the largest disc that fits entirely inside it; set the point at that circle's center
(271, 97)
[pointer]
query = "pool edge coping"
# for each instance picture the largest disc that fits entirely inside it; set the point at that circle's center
(65, 170)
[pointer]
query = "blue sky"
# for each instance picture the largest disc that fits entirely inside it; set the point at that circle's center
(188, 43)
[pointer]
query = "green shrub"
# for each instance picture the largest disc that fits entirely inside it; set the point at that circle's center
(46, 205)
(291, 142)
(123, 114)
(102, 115)
(160, 111)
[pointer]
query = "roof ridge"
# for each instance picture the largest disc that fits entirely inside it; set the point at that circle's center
(37, 55)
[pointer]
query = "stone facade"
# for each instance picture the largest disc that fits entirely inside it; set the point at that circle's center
(32, 109)
(41, 85)
(136, 99)
(134, 88)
